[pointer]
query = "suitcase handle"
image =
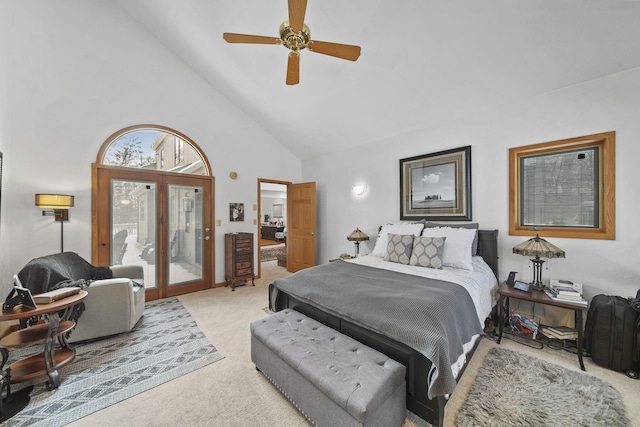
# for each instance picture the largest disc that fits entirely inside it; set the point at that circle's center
(635, 302)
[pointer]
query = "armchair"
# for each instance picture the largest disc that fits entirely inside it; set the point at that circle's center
(115, 299)
(112, 306)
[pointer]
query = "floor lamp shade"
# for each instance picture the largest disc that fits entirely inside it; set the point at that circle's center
(54, 201)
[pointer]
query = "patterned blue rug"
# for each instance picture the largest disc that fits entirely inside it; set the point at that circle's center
(165, 344)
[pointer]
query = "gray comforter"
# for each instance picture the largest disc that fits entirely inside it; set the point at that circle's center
(431, 316)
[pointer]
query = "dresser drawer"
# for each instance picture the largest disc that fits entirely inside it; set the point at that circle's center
(240, 250)
(244, 272)
(243, 262)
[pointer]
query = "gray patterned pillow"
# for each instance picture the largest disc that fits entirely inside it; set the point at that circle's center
(427, 251)
(399, 248)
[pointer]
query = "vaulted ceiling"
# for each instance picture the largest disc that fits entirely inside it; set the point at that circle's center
(423, 62)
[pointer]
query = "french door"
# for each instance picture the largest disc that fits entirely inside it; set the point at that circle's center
(161, 221)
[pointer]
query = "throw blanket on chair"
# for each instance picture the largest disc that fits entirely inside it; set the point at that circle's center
(43, 274)
(61, 270)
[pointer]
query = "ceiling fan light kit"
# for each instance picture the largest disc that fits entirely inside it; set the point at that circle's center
(296, 36)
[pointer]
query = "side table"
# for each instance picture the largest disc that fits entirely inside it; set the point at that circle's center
(55, 326)
(507, 292)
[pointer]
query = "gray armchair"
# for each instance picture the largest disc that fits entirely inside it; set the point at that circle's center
(112, 306)
(115, 299)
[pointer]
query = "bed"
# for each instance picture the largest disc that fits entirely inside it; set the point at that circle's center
(383, 304)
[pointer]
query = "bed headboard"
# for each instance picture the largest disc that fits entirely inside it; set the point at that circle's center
(488, 248)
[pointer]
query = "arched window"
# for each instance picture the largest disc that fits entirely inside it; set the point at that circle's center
(153, 147)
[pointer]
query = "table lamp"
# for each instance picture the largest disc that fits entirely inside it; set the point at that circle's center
(357, 236)
(539, 248)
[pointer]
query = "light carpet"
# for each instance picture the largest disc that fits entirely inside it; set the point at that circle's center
(165, 344)
(513, 389)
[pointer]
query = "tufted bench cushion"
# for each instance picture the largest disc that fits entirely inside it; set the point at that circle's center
(331, 378)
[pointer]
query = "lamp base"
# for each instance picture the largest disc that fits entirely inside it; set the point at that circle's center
(537, 286)
(536, 283)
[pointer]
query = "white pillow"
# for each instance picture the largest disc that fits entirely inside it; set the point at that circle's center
(457, 247)
(380, 249)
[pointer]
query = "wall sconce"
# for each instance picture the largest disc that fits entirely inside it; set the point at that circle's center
(56, 205)
(359, 190)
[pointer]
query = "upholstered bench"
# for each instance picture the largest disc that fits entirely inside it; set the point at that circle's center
(332, 379)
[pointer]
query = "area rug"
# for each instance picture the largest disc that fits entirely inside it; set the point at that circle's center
(513, 389)
(165, 344)
(271, 253)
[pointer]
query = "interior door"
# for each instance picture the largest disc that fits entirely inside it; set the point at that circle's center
(301, 228)
(160, 221)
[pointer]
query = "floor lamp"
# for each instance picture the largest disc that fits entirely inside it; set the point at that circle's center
(56, 205)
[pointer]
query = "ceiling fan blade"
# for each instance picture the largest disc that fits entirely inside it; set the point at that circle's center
(344, 51)
(297, 10)
(293, 69)
(246, 38)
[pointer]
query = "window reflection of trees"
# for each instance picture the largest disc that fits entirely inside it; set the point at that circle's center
(145, 149)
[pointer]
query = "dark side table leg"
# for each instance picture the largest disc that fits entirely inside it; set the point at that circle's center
(579, 327)
(503, 305)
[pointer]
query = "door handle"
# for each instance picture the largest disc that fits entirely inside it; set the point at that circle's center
(207, 238)
(312, 233)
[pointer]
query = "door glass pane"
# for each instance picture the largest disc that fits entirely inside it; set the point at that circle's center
(185, 234)
(133, 226)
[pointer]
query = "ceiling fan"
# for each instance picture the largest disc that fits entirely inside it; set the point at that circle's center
(295, 35)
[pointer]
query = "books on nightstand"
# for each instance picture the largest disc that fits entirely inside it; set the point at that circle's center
(560, 332)
(565, 291)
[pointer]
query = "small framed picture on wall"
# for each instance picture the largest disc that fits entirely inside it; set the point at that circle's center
(236, 212)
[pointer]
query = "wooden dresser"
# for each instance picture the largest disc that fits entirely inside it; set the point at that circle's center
(238, 266)
(269, 231)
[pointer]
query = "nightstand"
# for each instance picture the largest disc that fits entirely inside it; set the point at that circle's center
(507, 292)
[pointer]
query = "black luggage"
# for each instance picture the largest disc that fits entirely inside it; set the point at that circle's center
(612, 333)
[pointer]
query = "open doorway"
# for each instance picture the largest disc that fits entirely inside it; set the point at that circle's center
(272, 227)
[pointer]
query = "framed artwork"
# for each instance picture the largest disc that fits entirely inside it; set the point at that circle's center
(436, 186)
(236, 212)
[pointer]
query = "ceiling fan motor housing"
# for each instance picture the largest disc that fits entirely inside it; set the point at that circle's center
(291, 39)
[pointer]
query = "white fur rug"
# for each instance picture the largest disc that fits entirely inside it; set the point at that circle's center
(513, 389)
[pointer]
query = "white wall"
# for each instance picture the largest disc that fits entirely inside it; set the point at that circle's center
(611, 103)
(73, 73)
